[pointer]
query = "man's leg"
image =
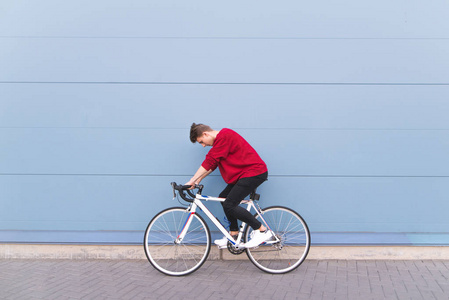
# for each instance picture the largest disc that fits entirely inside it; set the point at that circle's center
(237, 193)
(234, 226)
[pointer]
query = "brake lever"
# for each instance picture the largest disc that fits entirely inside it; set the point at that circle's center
(173, 184)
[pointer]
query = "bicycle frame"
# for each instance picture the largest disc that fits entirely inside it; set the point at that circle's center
(197, 202)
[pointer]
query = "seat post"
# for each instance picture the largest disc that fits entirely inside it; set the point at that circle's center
(254, 195)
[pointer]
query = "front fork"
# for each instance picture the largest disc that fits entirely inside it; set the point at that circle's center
(192, 210)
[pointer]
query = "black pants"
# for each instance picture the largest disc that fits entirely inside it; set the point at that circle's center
(234, 193)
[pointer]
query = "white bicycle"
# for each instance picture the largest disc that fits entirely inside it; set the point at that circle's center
(177, 240)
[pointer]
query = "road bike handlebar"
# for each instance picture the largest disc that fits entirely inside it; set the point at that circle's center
(182, 189)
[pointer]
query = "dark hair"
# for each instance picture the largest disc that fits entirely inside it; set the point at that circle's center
(196, 130)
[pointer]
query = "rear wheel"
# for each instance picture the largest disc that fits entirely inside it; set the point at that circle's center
(292, 246)
(163, 249)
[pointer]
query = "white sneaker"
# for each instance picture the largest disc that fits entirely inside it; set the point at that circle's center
(221, 242)
(258, 238)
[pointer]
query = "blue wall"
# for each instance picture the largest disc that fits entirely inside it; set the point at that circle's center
(346, 102)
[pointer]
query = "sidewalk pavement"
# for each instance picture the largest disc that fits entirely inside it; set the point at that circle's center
(216, 279)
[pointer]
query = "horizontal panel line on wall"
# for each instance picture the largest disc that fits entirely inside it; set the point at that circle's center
(182, 175)
(218, 38)
(225, 61)
(221, 83)
(234, 128)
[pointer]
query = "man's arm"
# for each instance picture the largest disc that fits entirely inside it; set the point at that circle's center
(199, 175)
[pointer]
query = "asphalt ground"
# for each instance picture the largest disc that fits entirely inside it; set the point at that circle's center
(218, 279)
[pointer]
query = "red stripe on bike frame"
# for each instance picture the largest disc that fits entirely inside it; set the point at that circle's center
(185, 224)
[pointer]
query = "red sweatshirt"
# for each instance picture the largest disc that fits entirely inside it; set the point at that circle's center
(234, 156)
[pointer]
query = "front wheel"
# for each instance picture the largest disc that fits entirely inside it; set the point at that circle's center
(291, 245)
(163, 248)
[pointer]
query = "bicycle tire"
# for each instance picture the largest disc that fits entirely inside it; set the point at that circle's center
(294, 245)
(169, 257)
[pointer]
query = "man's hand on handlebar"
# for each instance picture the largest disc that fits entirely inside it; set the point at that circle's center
(192, 184)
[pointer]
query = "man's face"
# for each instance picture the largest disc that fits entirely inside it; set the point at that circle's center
(205, 139)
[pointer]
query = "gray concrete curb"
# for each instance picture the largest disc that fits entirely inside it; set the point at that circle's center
(27, 251)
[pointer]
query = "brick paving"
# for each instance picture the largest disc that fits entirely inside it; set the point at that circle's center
(136, 279)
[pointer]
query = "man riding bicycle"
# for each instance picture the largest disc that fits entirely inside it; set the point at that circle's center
(241, 168)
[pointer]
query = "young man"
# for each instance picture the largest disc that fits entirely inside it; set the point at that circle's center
(241, 168)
